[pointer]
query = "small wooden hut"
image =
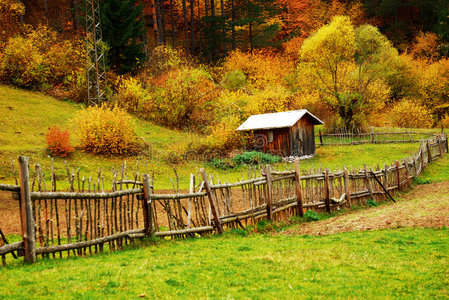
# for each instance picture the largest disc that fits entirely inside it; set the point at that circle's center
(289, 133)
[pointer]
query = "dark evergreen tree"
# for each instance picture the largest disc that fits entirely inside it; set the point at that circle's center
(123, 31)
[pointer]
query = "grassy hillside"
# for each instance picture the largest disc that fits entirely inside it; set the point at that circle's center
(26, 116)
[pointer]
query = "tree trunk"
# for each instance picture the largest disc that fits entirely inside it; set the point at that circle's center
(251, 37)
(46, 9)
(186, 32)
(199, 20)
(232, 24)
(162, 20)
(155, 27)
(223, 26)
(212, 14)
(172, 24)
(192, 27)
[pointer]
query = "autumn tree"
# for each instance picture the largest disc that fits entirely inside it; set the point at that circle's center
(348, 66)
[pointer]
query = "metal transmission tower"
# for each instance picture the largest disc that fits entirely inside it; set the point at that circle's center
(96, 73)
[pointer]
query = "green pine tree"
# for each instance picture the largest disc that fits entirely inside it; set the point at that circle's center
(123, 31)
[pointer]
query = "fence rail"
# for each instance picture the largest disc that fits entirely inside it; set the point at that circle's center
(87, 219)
(347, 137)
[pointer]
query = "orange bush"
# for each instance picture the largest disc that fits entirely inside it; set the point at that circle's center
(58, 142)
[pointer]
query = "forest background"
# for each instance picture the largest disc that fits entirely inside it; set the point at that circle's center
(205, 66)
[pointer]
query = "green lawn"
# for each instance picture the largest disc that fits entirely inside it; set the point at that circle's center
(411, 263)
(26, 116)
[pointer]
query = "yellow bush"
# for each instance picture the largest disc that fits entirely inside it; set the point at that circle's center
(38, 59)
(104, 130)
(132, 97)
(186, 99)
(224, 135)
(22, 64)
(410, 114)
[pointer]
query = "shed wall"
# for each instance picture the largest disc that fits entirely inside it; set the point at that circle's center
(298, 140)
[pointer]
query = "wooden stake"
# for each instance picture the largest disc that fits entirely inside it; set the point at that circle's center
(407, 173)
(326, 191)
(429, 152)
(269, 193)
(298, 188)
(347, 188)
(192, 190)
(147, 206)
(211, 201)
(29, 238)
(321, 137)
(398, 175)
(368, 185)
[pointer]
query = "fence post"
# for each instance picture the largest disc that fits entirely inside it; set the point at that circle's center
(372, 136)
(347, 190)
(321, 137)
(147, 206)
(326, 191)
(446, 143)
(210, 196)
(26, 212)
(429, 152)
(191, 190)
(368, 185)
(269, 193)
(298, 188)
(422, 159)
(386, 177)
(439, 147)
(407, 173)
(398, 175)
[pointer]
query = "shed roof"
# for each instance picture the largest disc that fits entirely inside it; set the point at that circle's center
(277, 120)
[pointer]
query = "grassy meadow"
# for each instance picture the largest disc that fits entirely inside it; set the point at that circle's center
(28, 115)
(393, 263)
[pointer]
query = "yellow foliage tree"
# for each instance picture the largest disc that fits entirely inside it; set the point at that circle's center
(345, 63)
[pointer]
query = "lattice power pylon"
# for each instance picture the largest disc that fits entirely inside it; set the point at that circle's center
(96, 73)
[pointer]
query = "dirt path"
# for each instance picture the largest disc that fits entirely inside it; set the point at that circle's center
(426, 206)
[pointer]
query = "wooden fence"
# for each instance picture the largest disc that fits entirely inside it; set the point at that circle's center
(356, 137)
(87, 219)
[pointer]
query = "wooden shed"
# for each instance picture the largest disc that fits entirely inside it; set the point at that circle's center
(289, 133)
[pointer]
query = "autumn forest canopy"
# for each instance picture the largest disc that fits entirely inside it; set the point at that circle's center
(206, 66)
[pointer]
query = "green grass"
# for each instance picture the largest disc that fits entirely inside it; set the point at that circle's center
(26, 116)
(411, 263)
(438, 172)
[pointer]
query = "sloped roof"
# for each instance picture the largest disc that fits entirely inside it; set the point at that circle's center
(277, 120)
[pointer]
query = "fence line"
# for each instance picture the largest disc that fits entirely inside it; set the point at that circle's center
(87, 219)
(356, 137)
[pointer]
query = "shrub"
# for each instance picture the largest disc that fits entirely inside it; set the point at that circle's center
(255, 157)
(311, 215)
(372, 203)
(38, 60)
(58, 142)
(411, 114)
(104, 130)
(22, 64)
(221, 163)
(234, 80)
(132, 97)
(186, 99)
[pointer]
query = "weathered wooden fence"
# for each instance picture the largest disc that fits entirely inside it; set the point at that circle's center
(356, 137)
(87, 219)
